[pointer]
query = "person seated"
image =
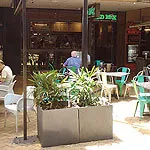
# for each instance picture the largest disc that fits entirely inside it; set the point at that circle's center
(73, 61)
(6, 74)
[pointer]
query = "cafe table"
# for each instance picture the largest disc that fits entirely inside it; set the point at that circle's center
(145, 85)
(116, 74)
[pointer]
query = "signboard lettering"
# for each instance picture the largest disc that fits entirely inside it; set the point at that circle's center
(112, 17)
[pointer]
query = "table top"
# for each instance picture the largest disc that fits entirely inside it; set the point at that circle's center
(144, 84)
(117, 74)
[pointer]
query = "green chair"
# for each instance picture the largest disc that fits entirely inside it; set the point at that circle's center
(73, 68)
(63, 70)
(142, 96)
(98, 63)
(50, 66)
(121, 81)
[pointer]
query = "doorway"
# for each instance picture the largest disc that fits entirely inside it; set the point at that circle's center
(105, 41)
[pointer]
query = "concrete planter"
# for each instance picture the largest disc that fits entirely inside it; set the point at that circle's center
(96, 123)
(74, 125)
(58, 126)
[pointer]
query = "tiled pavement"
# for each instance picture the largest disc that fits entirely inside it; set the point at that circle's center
(129, 132)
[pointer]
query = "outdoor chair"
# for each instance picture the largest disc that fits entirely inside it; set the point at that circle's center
(5, 89)
(14, 103)
(107, 88)
(142, 95)
(130, 84)
(122, 80)
(146, 70)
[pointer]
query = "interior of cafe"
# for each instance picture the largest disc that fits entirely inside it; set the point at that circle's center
(52, 34)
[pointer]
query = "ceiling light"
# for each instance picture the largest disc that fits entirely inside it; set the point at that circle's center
(146, 30)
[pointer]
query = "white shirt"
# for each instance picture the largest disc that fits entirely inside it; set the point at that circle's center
(7, 74)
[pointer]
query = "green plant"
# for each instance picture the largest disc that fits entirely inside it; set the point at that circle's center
(83, 87)
(49, 90)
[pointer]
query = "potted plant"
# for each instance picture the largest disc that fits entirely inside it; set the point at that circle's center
(95, 119)
(54, 125)
(47, 91)
(88, 121)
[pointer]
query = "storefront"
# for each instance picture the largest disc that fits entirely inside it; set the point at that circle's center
(53, 34)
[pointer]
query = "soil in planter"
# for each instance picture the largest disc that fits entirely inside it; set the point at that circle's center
(54, 105)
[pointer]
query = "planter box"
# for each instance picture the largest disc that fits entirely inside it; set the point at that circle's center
(96, 123)
(74, 125)
(58, 126)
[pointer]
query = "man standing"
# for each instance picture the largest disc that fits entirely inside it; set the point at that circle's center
(73, 61)
(6, 73)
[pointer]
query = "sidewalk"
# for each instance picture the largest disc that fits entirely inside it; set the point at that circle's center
(129, 132)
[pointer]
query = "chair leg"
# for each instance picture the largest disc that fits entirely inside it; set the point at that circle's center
(28, 118)
(141, 109)
(16, 122)
(136, 108)
(109, 93)
(126, 89)
(5, 118)
(120, 89)
(117, 93)
(102, 90)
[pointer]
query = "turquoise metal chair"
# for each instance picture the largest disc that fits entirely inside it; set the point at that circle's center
(121, 81)
(50, 66)
(98, 63)
(141, 94)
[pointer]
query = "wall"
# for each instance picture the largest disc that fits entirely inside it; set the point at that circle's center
(11, 39)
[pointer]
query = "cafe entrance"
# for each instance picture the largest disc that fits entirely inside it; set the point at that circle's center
(105, 41)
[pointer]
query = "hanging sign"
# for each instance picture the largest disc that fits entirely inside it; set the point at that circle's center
(111, 17)
(94, 10)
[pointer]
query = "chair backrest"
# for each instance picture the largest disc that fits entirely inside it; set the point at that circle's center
(30, 99)
(11, 86)
(146, 70)
(138, 74)
(98, 76)
(135, 88)
(104, 78)
(98, 63)
(50, 66)
(73, 68)
(143, 94)
(124, 69)
(11, 98)
(109, 67)
(63, 70)
(30, 104)
(30, 92)
(13, 77)
(141, 78)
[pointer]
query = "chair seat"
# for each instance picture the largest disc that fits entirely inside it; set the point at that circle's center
(109, 86)
(129, 85)
(144, 94)
(11, 108)
(119, 81)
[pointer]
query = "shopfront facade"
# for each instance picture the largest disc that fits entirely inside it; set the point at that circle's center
(53, 34)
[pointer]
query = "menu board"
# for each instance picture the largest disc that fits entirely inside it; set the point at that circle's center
(133, 33)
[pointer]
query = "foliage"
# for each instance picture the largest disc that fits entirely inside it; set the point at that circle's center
(83, 87)
(48, 89)
(52, 88)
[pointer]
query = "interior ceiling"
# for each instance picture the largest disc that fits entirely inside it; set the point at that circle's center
(106, 5)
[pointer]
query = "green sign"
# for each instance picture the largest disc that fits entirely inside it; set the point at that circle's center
(112, 17)
(91, 11)
(94, 10)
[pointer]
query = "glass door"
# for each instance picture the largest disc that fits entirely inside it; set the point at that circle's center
(105, 41)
